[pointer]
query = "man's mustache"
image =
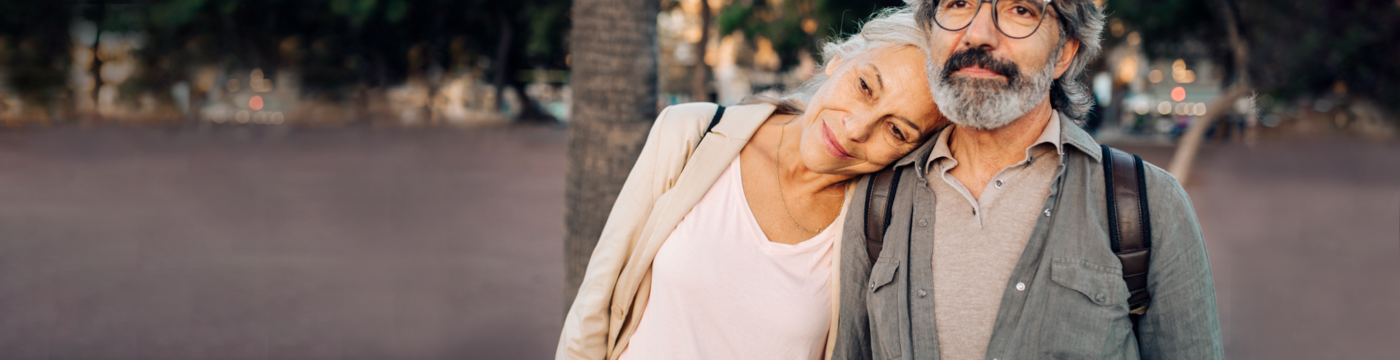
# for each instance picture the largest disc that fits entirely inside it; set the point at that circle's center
(981, 58)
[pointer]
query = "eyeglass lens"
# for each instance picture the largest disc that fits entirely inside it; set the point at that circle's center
(1015, 18)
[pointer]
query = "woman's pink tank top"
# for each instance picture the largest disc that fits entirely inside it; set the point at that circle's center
(721, 290)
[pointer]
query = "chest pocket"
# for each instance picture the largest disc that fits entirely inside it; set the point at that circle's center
(884, 297)
(1087, 306)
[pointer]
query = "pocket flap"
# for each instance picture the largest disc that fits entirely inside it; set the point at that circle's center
(1101, 284)
(883, 273)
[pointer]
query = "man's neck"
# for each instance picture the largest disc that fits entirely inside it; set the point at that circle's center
(981, 154)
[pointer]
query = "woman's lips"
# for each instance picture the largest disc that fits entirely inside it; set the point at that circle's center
(833, 146)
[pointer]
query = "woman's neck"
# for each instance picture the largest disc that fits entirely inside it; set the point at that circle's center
(796, 177)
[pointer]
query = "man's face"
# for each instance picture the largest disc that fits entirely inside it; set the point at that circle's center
(983, 79)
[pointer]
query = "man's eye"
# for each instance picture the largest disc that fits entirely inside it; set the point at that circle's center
(1022, 10)
(864, 88)
(957, 4)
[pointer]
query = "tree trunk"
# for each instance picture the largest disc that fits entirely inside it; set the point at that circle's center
(1190, 142)
(614, 85)
(502, 54)
(97, 62)
(699, 90)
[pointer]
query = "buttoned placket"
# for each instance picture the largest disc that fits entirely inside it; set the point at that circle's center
(1020, 281)
(921, 303)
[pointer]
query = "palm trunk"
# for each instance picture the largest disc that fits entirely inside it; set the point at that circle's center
(614, 86)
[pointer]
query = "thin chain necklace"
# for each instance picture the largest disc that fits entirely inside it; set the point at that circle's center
(779, 179)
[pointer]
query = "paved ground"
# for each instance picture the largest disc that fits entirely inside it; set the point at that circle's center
(359, 244)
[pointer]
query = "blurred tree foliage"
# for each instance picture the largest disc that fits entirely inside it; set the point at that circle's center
(34, 48)
(1297, 49)
(794, 25)
(336, 45)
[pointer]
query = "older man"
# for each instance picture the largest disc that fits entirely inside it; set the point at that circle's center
(998, 242)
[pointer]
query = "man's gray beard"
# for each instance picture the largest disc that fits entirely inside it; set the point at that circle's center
(986, 104)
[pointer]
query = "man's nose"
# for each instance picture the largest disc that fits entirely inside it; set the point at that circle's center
(983, 33)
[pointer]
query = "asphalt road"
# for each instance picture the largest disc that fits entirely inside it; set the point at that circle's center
(124, 243)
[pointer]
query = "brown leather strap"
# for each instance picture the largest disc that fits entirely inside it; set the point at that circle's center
(879, 199)
(1129, 225)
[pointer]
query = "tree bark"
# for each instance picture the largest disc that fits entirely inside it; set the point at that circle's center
(97, 61)
(502, 54)
(699, 90)
(1190, 142)
(614, 85)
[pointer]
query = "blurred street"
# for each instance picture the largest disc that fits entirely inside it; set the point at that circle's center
(229, 243)
(138, 243)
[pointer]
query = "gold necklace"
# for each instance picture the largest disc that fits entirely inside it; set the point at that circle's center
(779, 179)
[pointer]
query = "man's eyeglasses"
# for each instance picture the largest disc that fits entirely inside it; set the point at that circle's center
(1017, 19)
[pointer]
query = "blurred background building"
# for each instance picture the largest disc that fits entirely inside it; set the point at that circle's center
(385, 179)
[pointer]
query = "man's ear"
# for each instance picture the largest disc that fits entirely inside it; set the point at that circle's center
(831, 65)
(1067, 52)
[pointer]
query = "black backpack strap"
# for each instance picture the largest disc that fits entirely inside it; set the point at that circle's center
(879, 200)
(719, 113)
(1129, 225)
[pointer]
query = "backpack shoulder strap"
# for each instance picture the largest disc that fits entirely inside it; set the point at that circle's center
(879, 199)
(719, 113)
(1129, 225)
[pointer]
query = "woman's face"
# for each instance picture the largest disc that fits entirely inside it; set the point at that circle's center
(874, 109)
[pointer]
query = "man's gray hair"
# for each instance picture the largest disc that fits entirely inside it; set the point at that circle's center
(1079, 20)
(892, 27)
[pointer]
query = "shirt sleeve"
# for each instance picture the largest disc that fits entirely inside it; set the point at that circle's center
(1182, 321)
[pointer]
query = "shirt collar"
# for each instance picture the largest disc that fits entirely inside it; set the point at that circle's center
(1049, 135)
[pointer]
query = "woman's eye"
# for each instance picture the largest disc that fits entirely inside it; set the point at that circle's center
(957, 4)
(864, 88)
(898, 134)
(1022, 10)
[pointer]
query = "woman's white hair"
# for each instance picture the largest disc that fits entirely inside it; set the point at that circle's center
(891, 27)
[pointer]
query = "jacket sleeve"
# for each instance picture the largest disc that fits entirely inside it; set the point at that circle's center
(1182, 321)
(672, 138)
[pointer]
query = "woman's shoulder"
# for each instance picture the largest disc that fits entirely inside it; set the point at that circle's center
(695, 118)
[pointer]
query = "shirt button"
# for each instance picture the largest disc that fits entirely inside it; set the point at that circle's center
(923, 222)
(1100, 298)
(1047, 212)
(1020, 286)
(1000, 183)
(922, 293)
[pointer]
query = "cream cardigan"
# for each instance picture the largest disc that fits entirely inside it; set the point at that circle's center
(659, 191)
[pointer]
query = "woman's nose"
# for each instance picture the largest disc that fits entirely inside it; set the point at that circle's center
(858, 127)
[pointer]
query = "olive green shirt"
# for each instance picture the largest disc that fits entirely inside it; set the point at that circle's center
(1071, 302)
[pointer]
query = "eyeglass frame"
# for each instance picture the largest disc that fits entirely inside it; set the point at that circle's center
(996, 22)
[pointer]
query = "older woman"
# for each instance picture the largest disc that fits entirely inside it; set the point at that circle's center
(723, 247)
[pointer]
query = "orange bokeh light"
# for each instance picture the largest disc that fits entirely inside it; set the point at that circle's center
(256, 103)
(1179, 94)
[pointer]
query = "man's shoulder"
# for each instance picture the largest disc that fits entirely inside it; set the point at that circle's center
(1163, 187)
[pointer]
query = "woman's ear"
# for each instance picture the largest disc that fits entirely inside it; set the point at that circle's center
(831, 65)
